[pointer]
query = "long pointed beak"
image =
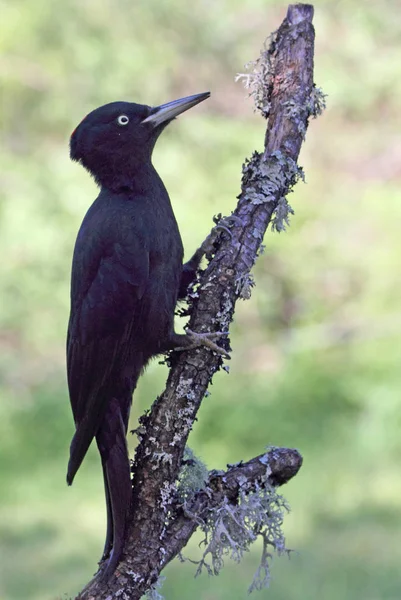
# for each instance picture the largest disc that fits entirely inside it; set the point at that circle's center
(169, 111)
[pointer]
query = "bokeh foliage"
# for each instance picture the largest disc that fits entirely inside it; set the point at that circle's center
(316, 351)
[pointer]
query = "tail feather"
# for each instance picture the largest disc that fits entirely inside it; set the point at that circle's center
(112, 446)
(109, 426)
(108, 544)
(81, 441)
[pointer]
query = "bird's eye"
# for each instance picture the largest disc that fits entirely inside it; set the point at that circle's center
(123, 120)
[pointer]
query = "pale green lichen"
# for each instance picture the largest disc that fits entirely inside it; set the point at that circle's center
(272, 179)
(167, 495)
(184, 417)
(231, 529)
(153, 591)
(300, 112)
(224, 315)
(317, 102)
(192, 477)
(121, 594)
(281, 217)
(244, 285)
(161, 458)
(268, 179)
(258, 78)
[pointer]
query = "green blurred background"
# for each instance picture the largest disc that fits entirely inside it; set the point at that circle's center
(316, 351)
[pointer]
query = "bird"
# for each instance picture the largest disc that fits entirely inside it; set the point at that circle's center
(127, 276)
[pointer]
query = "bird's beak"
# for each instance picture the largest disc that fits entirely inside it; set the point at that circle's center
(169, 111)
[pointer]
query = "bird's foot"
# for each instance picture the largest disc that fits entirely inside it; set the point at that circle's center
(195, 340)
(223, 225)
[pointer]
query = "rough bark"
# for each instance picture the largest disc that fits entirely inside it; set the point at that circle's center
(159, 529)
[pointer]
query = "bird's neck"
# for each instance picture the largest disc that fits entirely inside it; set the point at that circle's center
(133, 179)
(144, 183)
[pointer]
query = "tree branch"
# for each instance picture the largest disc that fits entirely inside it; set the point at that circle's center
(282, 85)
(274, 468)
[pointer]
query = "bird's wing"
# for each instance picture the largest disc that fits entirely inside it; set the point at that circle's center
(106, 306)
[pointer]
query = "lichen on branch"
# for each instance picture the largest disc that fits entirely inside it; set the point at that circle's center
(230, 529)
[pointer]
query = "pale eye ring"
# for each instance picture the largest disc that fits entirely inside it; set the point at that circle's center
(123, 120)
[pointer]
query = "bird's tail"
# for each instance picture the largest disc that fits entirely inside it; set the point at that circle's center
(110, 429)
(111, 441)
(81, 441)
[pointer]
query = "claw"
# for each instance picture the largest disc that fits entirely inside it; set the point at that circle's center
(223, 224)
(195, 340)
(230, 220)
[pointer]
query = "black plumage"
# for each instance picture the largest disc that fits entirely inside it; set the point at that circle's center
(127, 275)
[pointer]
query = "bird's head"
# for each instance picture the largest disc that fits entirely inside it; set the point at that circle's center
(115, 141)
